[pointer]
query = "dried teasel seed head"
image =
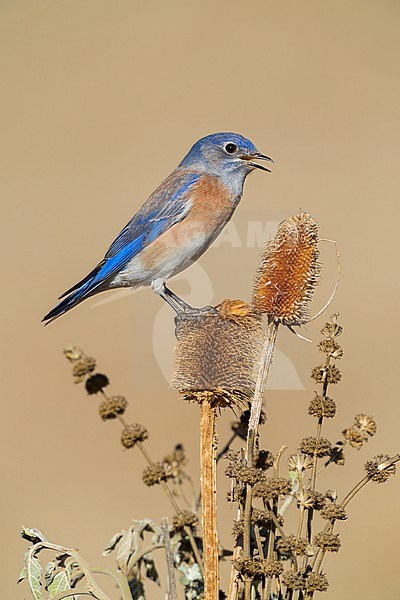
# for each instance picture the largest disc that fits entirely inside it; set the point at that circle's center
(155, 473)
(96, 383)
(132, 434)
(376, 469)
(217, 353)
(289, 270)
(329, 542)
(111, 407)
(322, 406)
(186, 518)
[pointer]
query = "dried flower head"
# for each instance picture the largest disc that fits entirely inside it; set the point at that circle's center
(272, 488)
(331, 348)
(294, 581)
(96, 383)
(299, 462)
(111, 407)
(156, 473)
(320, 446)
(326, 373)
(264, 459)
(316, 582)
(333, 512)
(354, 437)
(332, 329)
(322, 406)
(253, 567)
(292, 544)
(366, 424)
(378, 469)
(218, 351)
(132, 434)
(329, 542)
(186, 518)
(83, 367)
(73, 353)
(289, 271)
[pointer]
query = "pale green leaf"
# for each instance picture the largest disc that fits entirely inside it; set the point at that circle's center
(59, 584)
(34, 574)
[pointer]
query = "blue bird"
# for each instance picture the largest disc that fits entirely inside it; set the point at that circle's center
(177, 223)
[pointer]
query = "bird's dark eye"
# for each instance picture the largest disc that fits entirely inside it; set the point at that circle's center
(230, 148)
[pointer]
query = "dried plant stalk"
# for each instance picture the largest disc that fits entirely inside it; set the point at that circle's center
(209, 499)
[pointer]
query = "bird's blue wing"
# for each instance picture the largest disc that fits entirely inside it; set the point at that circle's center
(169, 204)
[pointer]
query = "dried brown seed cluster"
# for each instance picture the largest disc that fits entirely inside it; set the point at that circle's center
(82, 365)
(322, 406)
(292, 544)
(156, 473)
(332, 329)
(363, 428)
(218, 352)
(318, 446)
(264, 459)
(309, 499)
(259, 517)
(331, 348)
(289, 271)
(377, 470)
(186, 518)
(253, 567)
(326, 374)
(132, 434)
(333, 512)
(316, 582)
(299, 462)
(272, 488)
(329, 542)
(176, 460)
(294, 581)
(111, 407)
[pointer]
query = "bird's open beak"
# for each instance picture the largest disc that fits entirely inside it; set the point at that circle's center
(259, 156)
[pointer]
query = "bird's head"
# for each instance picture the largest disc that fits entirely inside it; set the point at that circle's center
(225, 154)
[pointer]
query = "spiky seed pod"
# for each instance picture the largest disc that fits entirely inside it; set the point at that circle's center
(132, 434)
(217, 353)
(83, 367)
(376, 469)
(326, 373)
(111, 407)
(253, 567)
(96, 383)
(289, 271)
(355, 437)
(292, 543)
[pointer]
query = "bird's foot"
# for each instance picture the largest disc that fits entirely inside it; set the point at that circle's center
(172, 299)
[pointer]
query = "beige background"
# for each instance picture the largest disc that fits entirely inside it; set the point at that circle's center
(99, 102)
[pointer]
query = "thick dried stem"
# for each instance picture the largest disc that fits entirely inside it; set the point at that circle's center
(209, 500)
